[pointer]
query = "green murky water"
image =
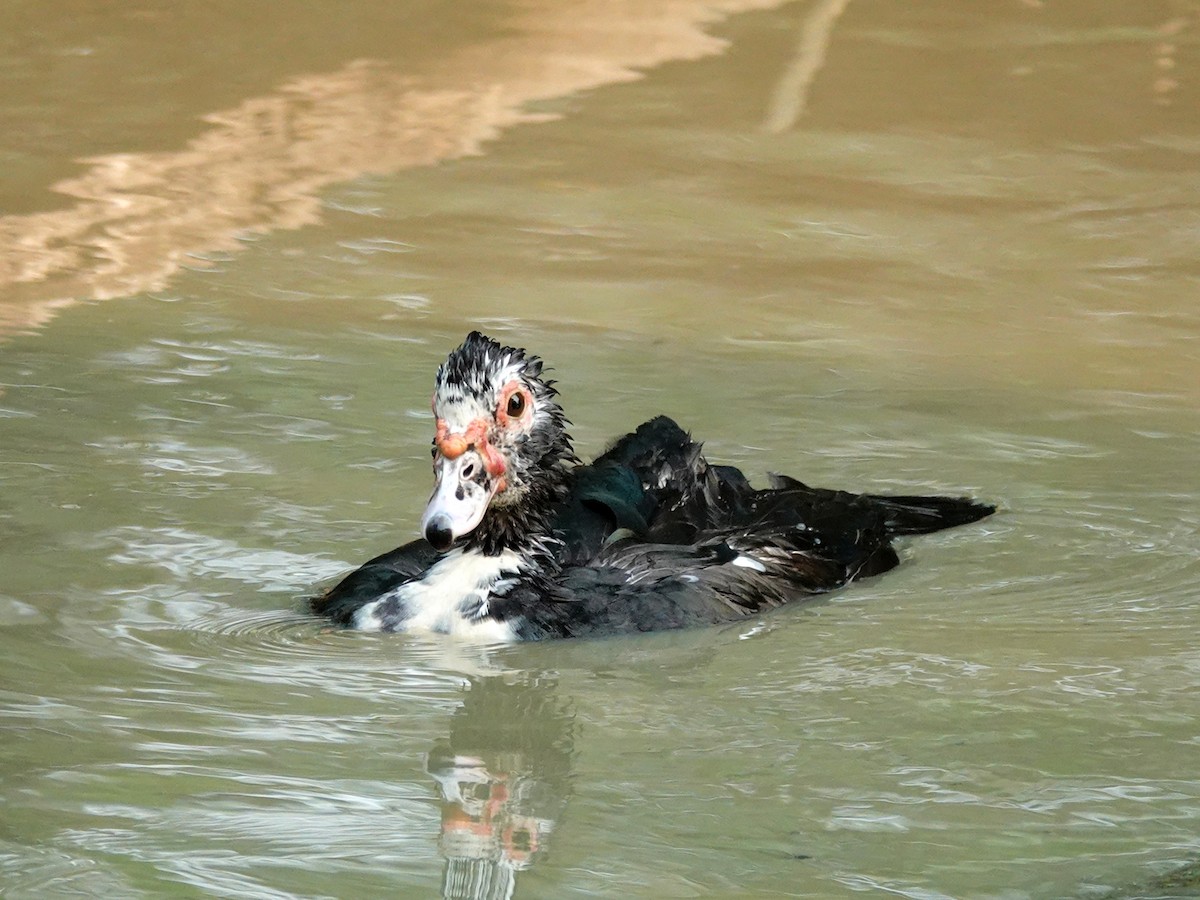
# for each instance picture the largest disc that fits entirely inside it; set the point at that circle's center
(959, 257)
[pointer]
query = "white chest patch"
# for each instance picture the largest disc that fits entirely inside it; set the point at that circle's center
(452, 597)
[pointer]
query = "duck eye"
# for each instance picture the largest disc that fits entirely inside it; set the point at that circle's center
(516, 405)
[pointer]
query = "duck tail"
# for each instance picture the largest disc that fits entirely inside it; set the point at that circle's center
(922, 515)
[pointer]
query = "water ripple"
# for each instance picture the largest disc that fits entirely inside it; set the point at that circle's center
(190, 556)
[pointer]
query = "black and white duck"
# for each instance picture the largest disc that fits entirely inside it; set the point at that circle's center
(522, 542)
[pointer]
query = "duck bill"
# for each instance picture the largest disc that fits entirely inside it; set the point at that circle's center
(461, 496)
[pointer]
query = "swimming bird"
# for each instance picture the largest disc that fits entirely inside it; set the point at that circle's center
(520, 541)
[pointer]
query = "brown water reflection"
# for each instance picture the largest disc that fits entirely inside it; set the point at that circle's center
(1028, 168)
(140, 217)
(948, 246)
(791, 94)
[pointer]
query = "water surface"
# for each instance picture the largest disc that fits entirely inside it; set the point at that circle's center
(947, 249)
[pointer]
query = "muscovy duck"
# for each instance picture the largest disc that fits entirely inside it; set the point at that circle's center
(523, 542)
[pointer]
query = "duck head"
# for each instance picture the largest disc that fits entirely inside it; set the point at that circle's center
(500, 448)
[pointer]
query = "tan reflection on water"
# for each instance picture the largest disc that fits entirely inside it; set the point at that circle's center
(791, 94)
(140, 217)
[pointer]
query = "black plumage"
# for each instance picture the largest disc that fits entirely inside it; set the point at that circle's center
(649, 536)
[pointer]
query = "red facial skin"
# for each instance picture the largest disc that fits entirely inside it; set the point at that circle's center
(452, 445)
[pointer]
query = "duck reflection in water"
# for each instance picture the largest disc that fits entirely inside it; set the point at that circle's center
(503, 775)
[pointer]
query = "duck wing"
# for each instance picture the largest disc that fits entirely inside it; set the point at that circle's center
(625, 488)
(655, 483)
(373, 579)
(650, 587)
(652, 483)
(751, 551)
(725, 575)
(789, 502)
